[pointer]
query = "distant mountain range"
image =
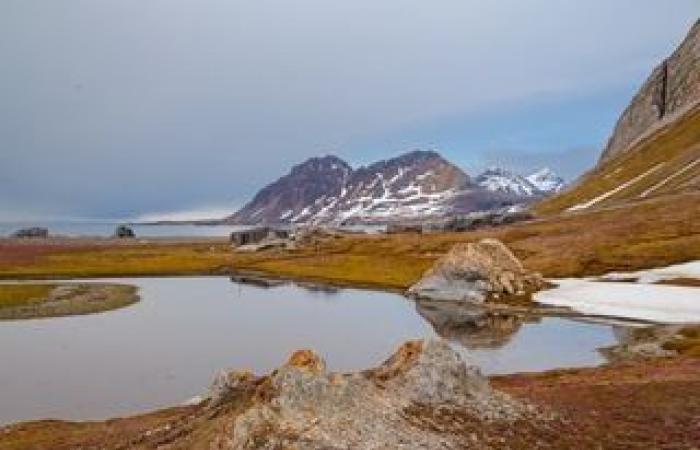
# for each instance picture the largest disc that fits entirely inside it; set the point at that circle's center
(415, 185)
(539, 184)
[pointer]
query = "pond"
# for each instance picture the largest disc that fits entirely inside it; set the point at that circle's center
(168, 347)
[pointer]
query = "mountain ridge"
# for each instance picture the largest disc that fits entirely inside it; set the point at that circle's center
(415, 185)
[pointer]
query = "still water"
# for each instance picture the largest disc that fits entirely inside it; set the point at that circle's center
(167, 348)
(106, 229)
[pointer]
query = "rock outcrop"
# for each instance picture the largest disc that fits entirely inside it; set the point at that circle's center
(671, 88)
(303, 406)
(478, 272)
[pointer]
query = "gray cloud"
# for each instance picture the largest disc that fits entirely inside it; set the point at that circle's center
(123, 107)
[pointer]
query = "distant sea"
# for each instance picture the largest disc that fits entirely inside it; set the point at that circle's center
(106, 229)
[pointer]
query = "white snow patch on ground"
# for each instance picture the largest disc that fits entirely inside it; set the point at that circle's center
(640, 300)
(669, 178)
(612, 192)
(684, 270)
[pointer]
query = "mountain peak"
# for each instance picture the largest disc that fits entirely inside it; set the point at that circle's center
(542, 182)
(546, 181)
(322, 163)
(327, 189)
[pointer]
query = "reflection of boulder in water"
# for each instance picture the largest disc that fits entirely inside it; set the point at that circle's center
(470, 325)
(635, 343)
(256, 281)
(316, 288)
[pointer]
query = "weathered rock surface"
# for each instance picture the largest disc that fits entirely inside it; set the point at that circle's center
(478, 272)
(671, 88)
(303, 406)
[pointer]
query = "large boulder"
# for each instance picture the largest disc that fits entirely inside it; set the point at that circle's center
(478, 272)
(302, 405)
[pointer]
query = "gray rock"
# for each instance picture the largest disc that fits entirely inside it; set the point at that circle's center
(302, 406)
(123, 231)
(477, 272)
(32, 232)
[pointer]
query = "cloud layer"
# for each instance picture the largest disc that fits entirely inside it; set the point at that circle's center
(116, 108)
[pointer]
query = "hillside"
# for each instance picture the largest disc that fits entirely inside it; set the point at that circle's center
(655, 147)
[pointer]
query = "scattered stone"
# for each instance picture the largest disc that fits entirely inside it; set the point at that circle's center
(124, 232)
(32, 232)
(259, 235)
(263, 245)
(478, 272)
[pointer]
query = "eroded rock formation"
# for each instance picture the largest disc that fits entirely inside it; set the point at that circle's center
(302, 405)
(478, 272)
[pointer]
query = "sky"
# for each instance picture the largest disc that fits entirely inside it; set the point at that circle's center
(126, 108)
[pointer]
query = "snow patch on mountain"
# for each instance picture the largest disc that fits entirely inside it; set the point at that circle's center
(541, 183)
(415, 185)
(545, 180)
(496, 179)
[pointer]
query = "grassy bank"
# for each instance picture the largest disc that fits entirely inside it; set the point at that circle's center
(652, 233)
(32, 301)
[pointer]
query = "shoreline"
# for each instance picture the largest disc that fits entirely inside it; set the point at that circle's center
(38, 301)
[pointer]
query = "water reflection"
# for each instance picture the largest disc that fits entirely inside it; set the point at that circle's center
(167, 347)
(472, 326)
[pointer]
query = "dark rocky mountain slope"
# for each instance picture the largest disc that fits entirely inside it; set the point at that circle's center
(416, 185)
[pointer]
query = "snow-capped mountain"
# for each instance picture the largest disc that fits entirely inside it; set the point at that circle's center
(419, 184)
(496, 179)
(545, 180)
(541, 183)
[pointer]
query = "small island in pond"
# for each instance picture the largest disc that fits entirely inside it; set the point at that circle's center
(32, 301)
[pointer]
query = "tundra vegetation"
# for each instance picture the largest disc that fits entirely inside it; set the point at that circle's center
(33, 301)
(650, 233)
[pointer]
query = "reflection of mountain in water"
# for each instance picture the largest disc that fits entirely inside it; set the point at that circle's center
(470, 325)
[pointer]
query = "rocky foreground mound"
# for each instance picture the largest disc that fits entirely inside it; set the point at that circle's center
(478, 272)
(422, 397)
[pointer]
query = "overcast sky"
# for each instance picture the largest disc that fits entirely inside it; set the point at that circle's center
(118, 108)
